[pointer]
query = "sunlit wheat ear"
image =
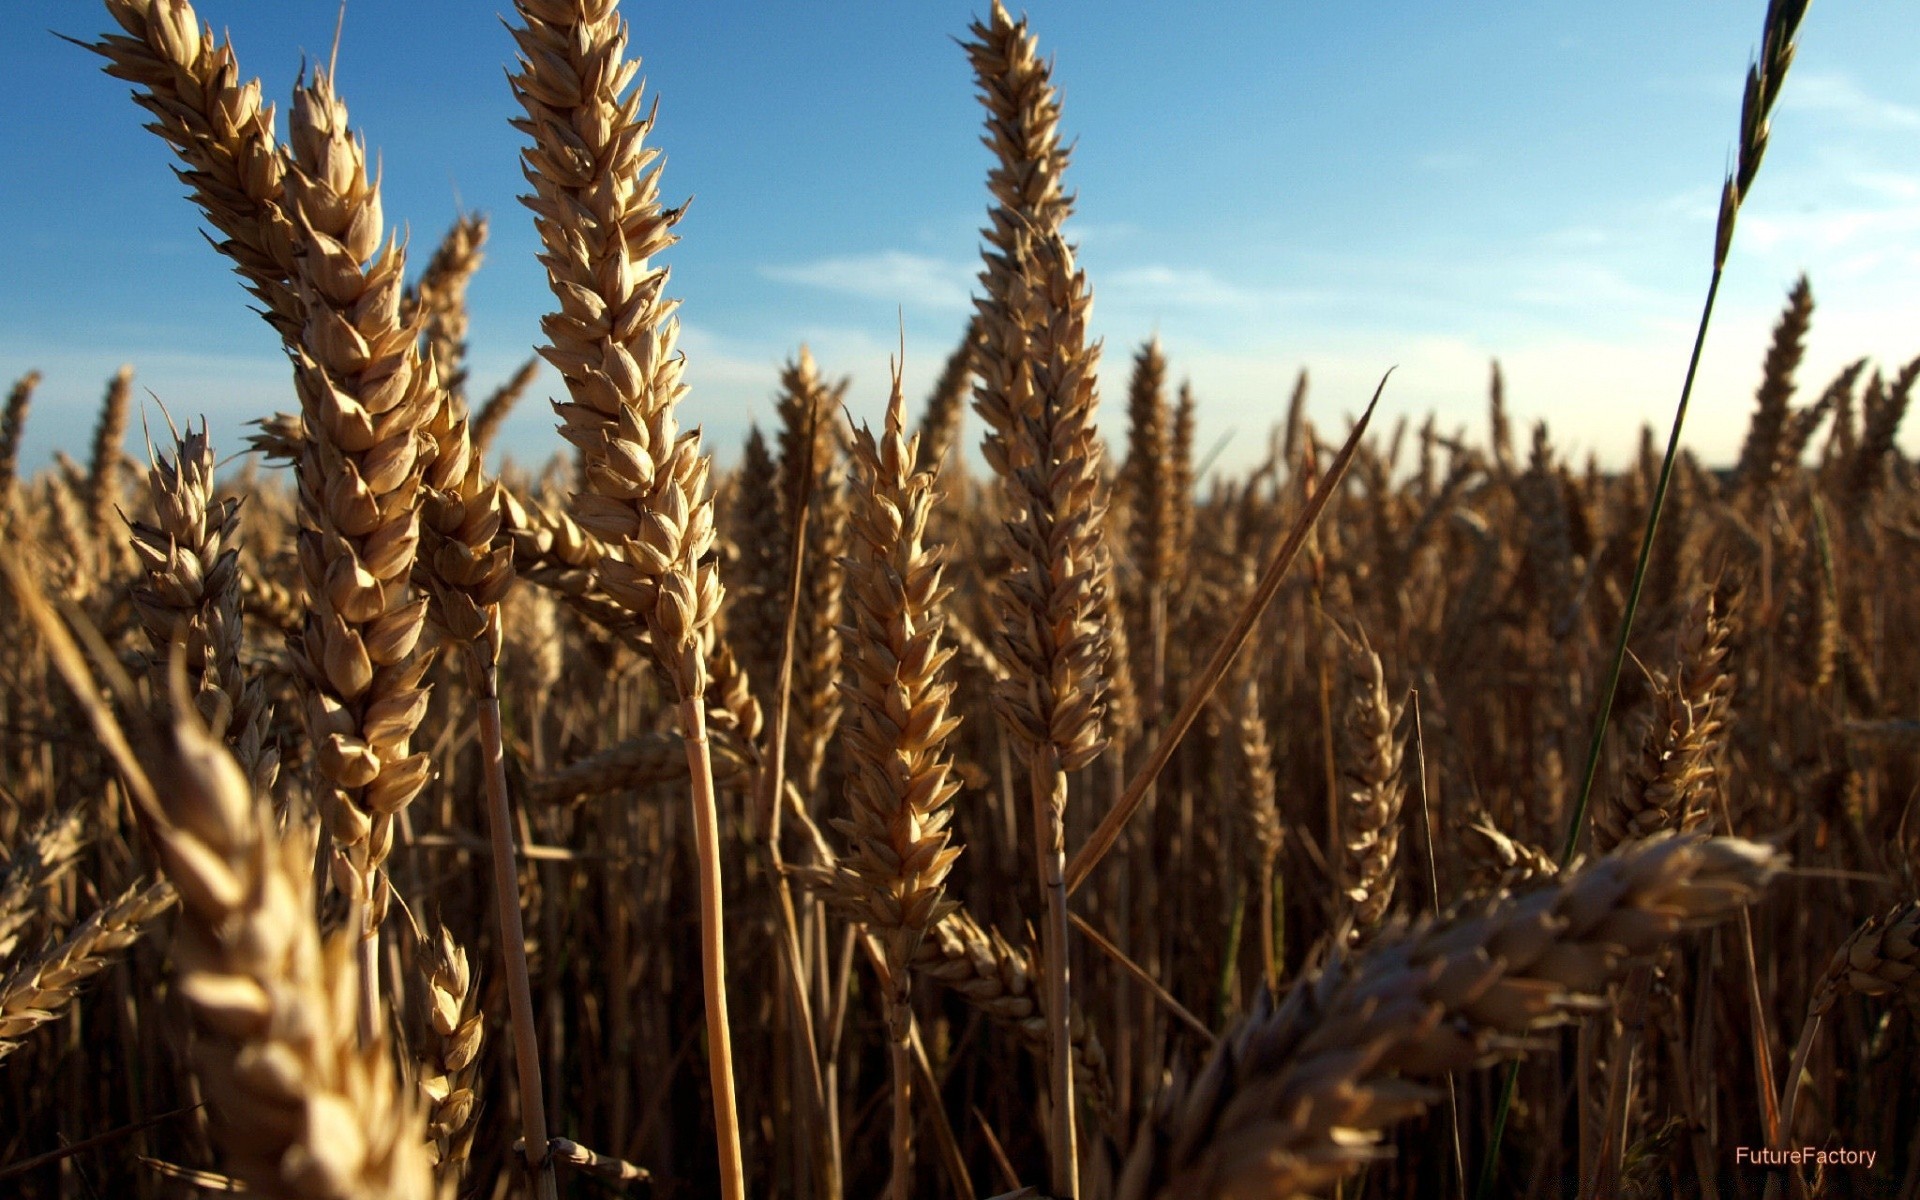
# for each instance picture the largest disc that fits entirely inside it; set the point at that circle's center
(450, 1064)
(940, 422)
(1763, 455)
(756, 614)
(367, 396)
(299, 1106)
(39, 989)
(1299, 1095)
(440, 300)
(1668, 781)
(216, 123)
(597, 209)
(499, 405)
(900, 786)
(1371, 791)
(188, 597)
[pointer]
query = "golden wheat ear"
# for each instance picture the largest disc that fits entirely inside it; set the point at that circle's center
(1298, 1097)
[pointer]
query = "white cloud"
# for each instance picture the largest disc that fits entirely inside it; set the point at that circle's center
(895, 276)
(1840, 97)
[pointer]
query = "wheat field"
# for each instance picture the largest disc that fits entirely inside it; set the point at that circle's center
(1417, 814)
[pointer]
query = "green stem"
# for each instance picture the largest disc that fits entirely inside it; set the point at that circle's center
(1579, 823)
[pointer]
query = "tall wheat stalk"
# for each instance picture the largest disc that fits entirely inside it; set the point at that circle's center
(597, 209)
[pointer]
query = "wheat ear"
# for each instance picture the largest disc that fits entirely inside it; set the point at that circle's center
(1668, 780)
(450, 1066)
(597, 209)
(39, 989)
(900, 785)
(188, 598)
(1371, 791)
(1762, 456)
(103, 469)
(946, 406)
(1297, 1097)
(809, 408)
(12, 427)
(217, 125)
(305, 1108)
(440, 299)
(367, 394)
(499, 405)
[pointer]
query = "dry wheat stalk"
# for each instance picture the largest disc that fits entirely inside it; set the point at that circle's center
(40, 857)
(1038, 398)
(1371, 791)
(450, 1065)
(39, 989)
(597, 209)
(216, 124)
(1297, 1097)
(189, 599)
(1667, 782)
(638, 762)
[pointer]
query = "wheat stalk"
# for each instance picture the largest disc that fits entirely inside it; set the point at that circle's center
(899, 782)
(1039, 400)
(597, 209)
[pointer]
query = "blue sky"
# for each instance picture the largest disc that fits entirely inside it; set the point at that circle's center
(1343, 187)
